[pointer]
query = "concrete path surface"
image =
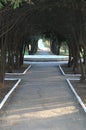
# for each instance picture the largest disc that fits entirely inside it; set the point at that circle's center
(43, 101)
(45, 56)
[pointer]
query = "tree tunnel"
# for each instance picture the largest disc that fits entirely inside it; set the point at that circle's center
(21, 25)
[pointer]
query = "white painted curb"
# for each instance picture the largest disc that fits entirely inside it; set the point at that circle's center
(61, 70)
(27, 69)
(20, 73)
(10, 92)
(75, 93)
(67, 74)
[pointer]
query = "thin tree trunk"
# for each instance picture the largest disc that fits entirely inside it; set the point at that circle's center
(2, 63)
(85, 62)
(21, 59)
(82, 69)
(70, 58)
(10, 61)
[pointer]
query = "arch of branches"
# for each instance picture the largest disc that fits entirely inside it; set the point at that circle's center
(58, 21)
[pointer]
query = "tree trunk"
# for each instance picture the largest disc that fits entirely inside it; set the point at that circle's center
(70, 57)
(85, 61)
(3, 61)
(82, 70)
(21, 58)
(10, 61)
(16, 60)
(75, 59)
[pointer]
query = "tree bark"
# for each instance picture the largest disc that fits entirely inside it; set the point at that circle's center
(3, 61)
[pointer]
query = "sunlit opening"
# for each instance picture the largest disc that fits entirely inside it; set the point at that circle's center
(44, 45)
(40, 44)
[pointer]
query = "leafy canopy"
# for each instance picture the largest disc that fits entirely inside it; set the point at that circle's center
(15, 3)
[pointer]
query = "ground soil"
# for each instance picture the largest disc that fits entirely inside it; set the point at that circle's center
(20, 70)
(8, 84)
(79, 86)
(68, 70)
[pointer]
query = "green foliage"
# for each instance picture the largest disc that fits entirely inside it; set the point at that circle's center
(1, 5)
(4, 1)
(14, 3)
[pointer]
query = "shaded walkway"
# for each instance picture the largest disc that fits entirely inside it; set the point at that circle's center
(43, 101)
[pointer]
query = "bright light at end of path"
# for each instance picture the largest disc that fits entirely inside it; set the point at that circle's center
(40, 44)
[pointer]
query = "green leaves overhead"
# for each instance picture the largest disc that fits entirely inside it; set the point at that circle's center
(1, 5)
(15, 3)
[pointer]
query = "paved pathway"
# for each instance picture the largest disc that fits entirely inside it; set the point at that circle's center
(43, 101)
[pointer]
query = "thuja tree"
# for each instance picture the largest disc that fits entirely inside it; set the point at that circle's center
(3, 44)
(78, 30)
(68, 18)
(2, 59)
(71, 23)
(8, 20)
